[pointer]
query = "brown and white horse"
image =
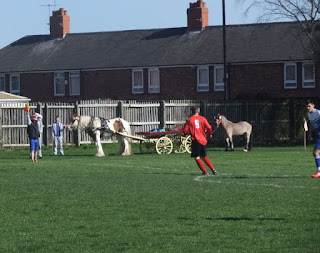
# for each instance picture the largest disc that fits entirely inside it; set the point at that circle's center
(99, 128)
(231, 129)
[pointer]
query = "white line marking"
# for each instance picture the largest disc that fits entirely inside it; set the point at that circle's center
(219, 181)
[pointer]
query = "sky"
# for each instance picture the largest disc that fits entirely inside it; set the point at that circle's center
(19, 18)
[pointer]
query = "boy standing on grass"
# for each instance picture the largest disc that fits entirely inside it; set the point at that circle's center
(34, 134)
(314, 118)
(57, 129)
(197, 126)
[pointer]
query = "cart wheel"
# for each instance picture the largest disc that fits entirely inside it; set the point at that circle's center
(164, 145)
(187, 144)
(146, 147)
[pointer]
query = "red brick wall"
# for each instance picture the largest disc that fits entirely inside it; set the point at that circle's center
(245, 81)
(265, 81)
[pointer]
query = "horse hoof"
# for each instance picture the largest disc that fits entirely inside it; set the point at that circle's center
(245, 150)
(100, 155)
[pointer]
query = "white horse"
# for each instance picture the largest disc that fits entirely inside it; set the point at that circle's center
(230, 129)
(99, 128)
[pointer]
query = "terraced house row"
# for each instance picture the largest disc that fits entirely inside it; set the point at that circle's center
(264, 60)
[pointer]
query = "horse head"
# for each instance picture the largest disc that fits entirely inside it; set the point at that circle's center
(74, 122)
(218, 119)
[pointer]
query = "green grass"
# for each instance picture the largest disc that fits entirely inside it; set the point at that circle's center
(262, 201)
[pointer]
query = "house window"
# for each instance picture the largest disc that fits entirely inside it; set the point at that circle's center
(290, 76)
(137, 81)
(308, 75)
(218, 78)
(15, 83)
(2, 83)
(154, 81)
(203, 79)
(74, 83)
(59, 85)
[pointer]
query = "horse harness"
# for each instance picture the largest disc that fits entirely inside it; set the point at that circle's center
(104, 126)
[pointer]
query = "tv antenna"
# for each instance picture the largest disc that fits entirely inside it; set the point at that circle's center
(54, 5)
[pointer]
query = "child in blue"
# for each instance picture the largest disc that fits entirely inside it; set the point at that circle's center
(57, 129)
(314, 118)
(34, 134)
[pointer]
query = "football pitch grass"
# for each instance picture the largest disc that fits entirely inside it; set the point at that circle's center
(261, 201)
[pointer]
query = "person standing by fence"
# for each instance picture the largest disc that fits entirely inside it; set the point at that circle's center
(34, 134)
(198, 126)
(57, 129)
(314, 118)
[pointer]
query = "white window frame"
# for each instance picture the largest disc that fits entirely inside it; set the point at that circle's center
(200, 85)
(286, 82)
(4, 82)
(153, 86)
(137, 89)
(55, 90)
(11, 89)
(305, 81)
(70, 76)
(218, 86)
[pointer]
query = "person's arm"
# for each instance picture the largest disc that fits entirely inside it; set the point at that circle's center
(28, 119)
(186, 128)
(208, 127)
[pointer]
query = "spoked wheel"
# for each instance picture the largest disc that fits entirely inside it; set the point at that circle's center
(164, 145)
(187, 144)
(146, 147)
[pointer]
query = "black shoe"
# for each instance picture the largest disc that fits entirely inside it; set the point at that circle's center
(214, 172)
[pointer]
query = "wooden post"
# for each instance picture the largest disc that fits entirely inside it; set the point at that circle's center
(292, 120)
(162, 114)
(1, 133)
(203, 108)
(120, 109)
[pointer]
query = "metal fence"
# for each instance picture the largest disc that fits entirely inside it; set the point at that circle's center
(273, 121)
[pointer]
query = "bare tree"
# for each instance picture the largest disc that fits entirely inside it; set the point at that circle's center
(304, 12)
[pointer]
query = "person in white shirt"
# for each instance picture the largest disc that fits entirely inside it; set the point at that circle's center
(57, 129)
(314, 118)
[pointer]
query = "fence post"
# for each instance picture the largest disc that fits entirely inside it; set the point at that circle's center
(46, 123)
(77, 134)
(162, 112)
(246, 113)
(292, 120)
(120, 109)
(203, 108)
(1, 133)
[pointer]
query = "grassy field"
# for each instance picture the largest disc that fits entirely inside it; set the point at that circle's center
(262, 201)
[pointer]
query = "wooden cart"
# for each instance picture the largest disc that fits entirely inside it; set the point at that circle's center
(164, 141)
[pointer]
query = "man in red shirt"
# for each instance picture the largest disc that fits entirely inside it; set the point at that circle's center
(198, 127)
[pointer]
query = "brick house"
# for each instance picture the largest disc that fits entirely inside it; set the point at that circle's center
(264, 61)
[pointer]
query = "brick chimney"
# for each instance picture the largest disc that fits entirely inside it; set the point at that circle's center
(59, 23)
(197, 16)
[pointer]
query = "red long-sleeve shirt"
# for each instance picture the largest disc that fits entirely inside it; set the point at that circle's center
(197, 126)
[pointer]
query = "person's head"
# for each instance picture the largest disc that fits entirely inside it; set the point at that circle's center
(310, 106)
(195, 110)
(57, 119)
(34, 117)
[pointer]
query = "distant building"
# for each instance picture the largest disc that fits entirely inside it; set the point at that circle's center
(264, 61)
